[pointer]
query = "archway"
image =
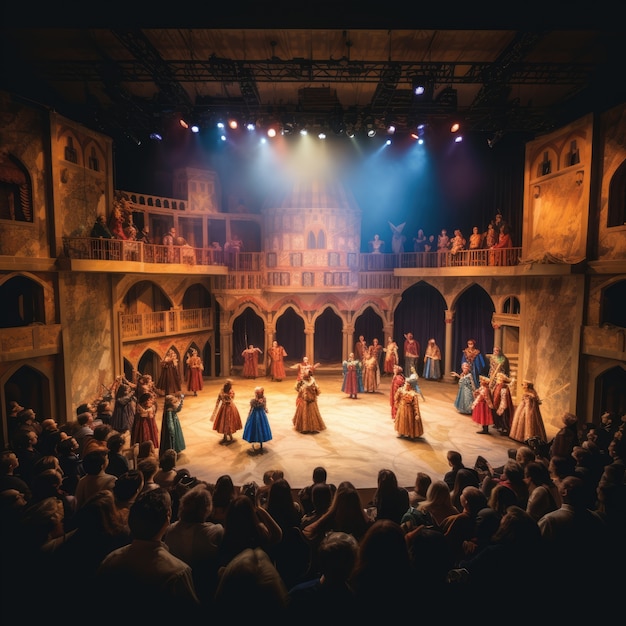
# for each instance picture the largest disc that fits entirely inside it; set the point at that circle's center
(290, 334)
(328, 337)
(150, 363)
(247, 329)
(22, 303)
(370, 325)
(609, 394)
(422, 312)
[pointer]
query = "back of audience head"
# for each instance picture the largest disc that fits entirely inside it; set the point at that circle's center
(167, 461)
(94, 461)
(150, 514)
(196, 505)
(127, 486)
(336, 557)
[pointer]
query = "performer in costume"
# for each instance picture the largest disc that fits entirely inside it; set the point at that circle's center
(171, 431)
(169, 380)
(226, 419)
(527, 420)
(251, 361)
(144, 423)
(397, 382)
(476, 360)
(308, 418)
(391, 356)
(352, 376)
(304, 367)
(411, 352)
(194, 374)
(482, 406)
(408, 422)
(277, 356)
(465, 395)
(257, 428)
(412, 379)
(371, 374)
(432, 361)
(503, 408)
(498, 364)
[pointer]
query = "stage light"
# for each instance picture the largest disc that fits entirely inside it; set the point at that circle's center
(419, 90)
(304, 132)
(455, 127)
(322, 135)
(458, 139)
(223, 137)
(388, 142)
(183, 123)
(250, 126)
(195, 128)
(220, 125)
(391, 129)
(271, 132)
(156, 136)
(371, 130)
(232, 123)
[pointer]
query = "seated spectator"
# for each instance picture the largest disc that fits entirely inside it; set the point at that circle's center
(95, 478)
(118, 462)
(167, 469)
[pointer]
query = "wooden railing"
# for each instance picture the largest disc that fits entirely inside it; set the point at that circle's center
(157, 323)
(124, 250)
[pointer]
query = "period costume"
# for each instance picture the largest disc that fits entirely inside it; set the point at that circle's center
(307, 418)
(371, 373)
(408, 421)
(465, 395)
(251, 361)
(277, 356)
(352, 377)
(257, 428)
(527, 420)
(476, 360)
(397, 382)
(144, 426)
(391, 356)
(432, 361)
(226, 419)
(171, 431)
(498, 364)
(123, 414)
(169, 379)
(411, 352)
(482, 406)
(503, 408)
(194, 373)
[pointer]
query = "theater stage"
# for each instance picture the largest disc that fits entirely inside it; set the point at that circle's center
(359, 440)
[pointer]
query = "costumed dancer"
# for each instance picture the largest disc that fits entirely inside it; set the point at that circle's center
(527, 420)
(413, 378)
(171, 431)
(226, 419)
(408, 421)
(169, 379)
(277, 356)
(352, 376)
(304, 367)
(144, 424)
(397, 382)
(371, 374)
(482, 406)
(257, 428)
(391, 356)
(498, 364)
(465, 395)
(476, 360)
(125, 406)
(308, 418)
(503, 409)
(194, 375)
(411, 352)
(251, 361)
(432, 361)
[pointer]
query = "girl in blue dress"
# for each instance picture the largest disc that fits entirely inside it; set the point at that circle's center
(257, 428)
(465, 396)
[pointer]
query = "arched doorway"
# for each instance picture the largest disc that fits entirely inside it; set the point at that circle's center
(328, 338)
(290, 334)
(248, 329)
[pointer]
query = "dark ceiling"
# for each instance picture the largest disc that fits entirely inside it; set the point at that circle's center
(128, 82)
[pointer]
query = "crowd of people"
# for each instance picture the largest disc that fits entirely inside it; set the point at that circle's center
(76, 516)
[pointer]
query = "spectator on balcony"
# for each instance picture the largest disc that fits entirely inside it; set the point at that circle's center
(100, 228)
(144, 235)
(116, 223)
(168, 240)
(420, 241)
(232, 248)
(397, 239)
(476, 239)
(499, 255)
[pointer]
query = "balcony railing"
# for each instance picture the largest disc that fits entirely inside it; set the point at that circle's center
(307, 261)
(157, 323)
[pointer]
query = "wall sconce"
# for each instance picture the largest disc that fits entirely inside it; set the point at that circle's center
(579, 177)
(537, 191)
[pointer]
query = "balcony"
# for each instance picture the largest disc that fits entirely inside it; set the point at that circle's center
(135, 326)
(29, 341)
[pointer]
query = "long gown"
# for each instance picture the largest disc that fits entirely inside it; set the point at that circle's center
(257, 428)
(171, 431)
(503, 409)
(277, 355)
(391, 357)
(527, 420)
(308, 418)
(194, 374)
(226, 418)
(352, 378)
(123, 415)
(251, 362)
(432, 362)
(465, 395)
(169, 379)
(408, 422)
(477, 363)
(482, 405)
(397, 382)
(144, 426)
(371, 375)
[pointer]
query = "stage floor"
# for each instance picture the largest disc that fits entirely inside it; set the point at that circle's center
(359, 440)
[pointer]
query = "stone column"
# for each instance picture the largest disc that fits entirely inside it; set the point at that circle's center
(449, 358)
